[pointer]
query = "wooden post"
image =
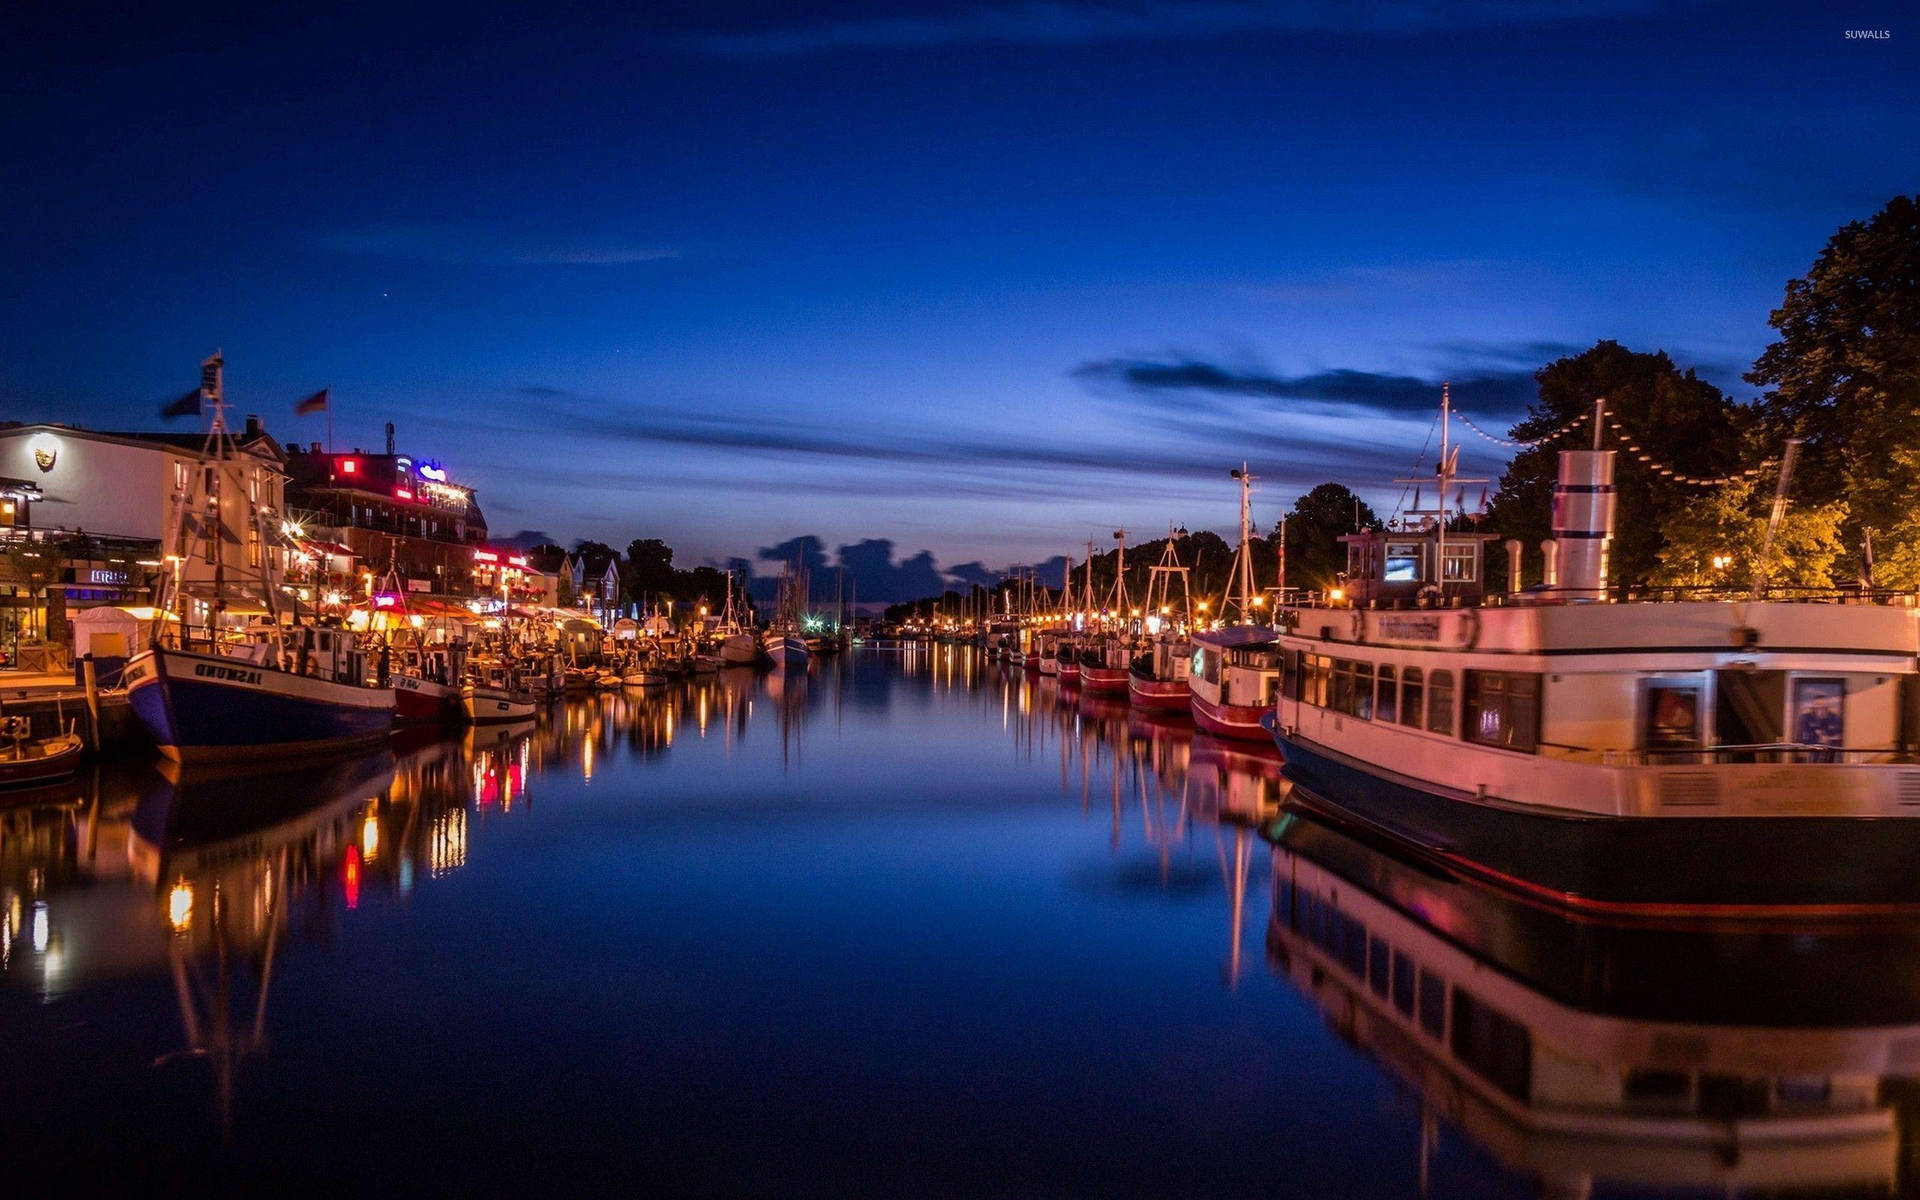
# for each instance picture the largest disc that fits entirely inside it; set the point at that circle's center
(93, 699)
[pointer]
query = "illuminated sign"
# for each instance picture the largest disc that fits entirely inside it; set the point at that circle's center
(402, 494)
(486, 556)
(433, 472)
(386, 600)
(349, 466)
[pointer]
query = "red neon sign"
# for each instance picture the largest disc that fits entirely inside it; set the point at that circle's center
(348, 466)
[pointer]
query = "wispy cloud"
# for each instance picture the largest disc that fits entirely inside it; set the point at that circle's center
(443, 244)
(1047, 22)
(1497, 393)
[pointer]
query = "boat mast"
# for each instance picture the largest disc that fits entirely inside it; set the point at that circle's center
(1120, 575)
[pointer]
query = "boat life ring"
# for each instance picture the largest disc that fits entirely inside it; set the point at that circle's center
(1469, 630)
(1359, 632)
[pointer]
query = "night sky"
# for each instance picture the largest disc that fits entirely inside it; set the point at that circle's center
(982, 279)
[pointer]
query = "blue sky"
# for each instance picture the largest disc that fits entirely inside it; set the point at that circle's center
(923, 272)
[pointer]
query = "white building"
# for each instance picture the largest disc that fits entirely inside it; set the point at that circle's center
(130, 486)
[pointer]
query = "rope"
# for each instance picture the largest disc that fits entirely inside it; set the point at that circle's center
(1522, 443)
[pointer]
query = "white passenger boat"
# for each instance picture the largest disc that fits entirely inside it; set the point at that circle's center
(1659, 758)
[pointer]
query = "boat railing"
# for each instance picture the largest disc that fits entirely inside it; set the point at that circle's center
(1774, 753)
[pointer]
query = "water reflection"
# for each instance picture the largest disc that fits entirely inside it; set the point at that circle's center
(599, 852)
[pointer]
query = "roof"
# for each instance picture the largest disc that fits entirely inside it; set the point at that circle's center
(194, 443)
(1237, 635)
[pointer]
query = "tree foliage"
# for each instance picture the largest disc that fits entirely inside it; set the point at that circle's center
(1679, 421)
(1315, 556)
(1730, 525)
(1844, 374)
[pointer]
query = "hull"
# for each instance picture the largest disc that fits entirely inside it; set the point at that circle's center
(787, 651)
(491, 706)
(422, 702)
(740, 650)
(1643, 867)
(48, 761)
(1105, 679)
(1069, 672)
(1158, 693)
(205, 707)
(643, 679)
(1048, 666)
(1238, 721)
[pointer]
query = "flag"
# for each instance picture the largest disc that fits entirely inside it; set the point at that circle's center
(186, 406)
(312, 404)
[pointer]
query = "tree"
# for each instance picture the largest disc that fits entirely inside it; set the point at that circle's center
(648, 572)
(547, 557)
(1845, 371)
(1680, 422)
(1315, 557)
(1717, 540)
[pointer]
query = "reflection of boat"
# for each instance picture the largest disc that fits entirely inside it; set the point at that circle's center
(1592, 1056)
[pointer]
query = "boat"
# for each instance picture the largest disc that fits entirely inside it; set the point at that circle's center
(783, 641)
(645, 676)
(1233, 681)
(423, 693)
(1106, 664)
(27, 761)
(493, 696)
(1653, 758)
(1157, 677)
(275, 688)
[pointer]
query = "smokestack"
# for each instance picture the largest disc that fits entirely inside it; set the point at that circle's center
(253, 426)
(1513, 564)
(1550, 572)
(389, 437)
(1583, 504)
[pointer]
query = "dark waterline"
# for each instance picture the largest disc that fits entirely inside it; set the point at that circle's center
(907, 925)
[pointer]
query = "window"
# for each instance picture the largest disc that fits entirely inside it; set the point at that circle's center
(1403, 562)
(1363, 691)
(1440, 702)
(253, 547)
(1503, 709)
(1342, 685)
(1378, 959)
(1433, 1004)
(1459, 563)
(1673, 717)
(1403, 983)
(1493, 1044)
(1412, 707)
(1385, 707)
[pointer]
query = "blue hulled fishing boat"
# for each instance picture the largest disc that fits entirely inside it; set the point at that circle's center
(273, 687)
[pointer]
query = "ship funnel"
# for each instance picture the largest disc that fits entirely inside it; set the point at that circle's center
(1583, 504)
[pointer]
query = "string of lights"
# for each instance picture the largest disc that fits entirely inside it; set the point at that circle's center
(1632, 446)
(1524, 444)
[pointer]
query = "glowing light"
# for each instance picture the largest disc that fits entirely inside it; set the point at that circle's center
(350, 876)
(370, 838)
(403, 493)
(1337, 595)
(180, 907)
(41, 934)
(349, 466)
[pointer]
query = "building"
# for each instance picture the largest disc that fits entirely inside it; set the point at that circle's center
(398, 516)
(84, 516)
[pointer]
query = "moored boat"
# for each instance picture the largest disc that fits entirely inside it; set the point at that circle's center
(27, 761)
(1233, 681)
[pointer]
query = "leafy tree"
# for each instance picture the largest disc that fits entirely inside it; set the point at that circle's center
(547, 557)
(1845, 372)
(1679, 421)
(1315, 556)
(648, 572)
(1729, 526)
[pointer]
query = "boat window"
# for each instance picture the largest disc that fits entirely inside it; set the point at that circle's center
(1503, 709)
(1493, 1044)
(1749, 707)
(1403, 562)
(1385, 704)
(1290, 674)
(1459, 564)
(1403, 983)
(1378, 963)
(1412, 705)
(1433, 1004)
(1664, 1091)
(1819, 711)
(1440, 702)
(1363, 691)
(1319, 681)
(1342, 685)
(1673, 717)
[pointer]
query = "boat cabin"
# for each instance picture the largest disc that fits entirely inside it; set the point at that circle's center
(1405, 567)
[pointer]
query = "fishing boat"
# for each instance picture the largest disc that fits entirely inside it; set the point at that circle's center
(783, 641)
(1655, 758)
(644, 676)
(494, 695)
(276, 688)
(423, 689)
(1157, 677)
(1235, 673)
(27, 761)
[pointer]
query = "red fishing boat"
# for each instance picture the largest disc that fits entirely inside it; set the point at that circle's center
(27, 761)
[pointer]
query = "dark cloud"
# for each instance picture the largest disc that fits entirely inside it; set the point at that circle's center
(1064, 22)
(870, 566)
(527, 538)
(1494, 393)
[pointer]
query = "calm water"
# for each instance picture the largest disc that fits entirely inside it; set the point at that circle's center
(909, 925)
